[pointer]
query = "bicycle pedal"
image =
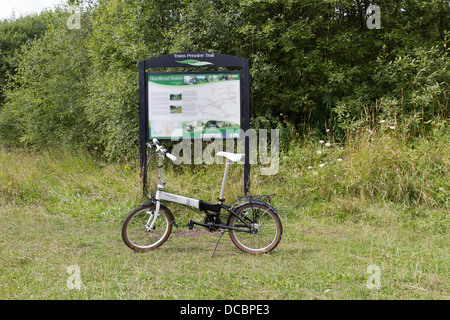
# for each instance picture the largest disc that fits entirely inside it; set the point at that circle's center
(190, 224)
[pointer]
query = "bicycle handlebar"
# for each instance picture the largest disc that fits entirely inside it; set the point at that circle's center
(162, 150)
(171, 156)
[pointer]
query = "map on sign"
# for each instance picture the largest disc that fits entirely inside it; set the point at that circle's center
(194, 105)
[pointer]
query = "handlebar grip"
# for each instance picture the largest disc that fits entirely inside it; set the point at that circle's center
(171, 156)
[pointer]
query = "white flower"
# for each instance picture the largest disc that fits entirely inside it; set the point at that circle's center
(392, 127)
(309, 167)
(382, 121)
(339, 159)
(321, 141)
(319, 152)
(327, 144)
(321, 165)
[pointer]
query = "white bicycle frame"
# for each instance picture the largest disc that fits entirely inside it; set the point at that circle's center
(195, 203)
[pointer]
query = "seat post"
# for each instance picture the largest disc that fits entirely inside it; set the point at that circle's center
(224, 181)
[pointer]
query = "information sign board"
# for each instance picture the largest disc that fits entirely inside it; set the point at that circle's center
(194, 105)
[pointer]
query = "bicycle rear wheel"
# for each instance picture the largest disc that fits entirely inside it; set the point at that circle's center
(265, 232)
(139, 234)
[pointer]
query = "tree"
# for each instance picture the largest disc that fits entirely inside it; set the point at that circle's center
(314, 65)
(13, 34)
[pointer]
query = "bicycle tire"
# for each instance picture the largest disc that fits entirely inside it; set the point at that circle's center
(138, 236)
(266, 222)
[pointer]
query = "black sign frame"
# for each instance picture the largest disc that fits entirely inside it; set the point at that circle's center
(192, 60)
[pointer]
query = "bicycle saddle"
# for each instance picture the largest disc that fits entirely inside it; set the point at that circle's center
(233, 157)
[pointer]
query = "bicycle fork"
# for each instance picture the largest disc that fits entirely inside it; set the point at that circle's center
(161, 184)
(151, 220)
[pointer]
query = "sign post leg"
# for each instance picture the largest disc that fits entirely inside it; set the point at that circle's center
(246, 124)
(142, 128)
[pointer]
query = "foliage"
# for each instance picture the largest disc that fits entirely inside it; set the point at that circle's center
(315, 65)
(14, 34)
(46, 104)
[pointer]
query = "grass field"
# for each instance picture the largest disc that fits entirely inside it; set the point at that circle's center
(368, 220)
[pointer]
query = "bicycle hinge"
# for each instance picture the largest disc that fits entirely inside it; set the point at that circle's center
(161, 186)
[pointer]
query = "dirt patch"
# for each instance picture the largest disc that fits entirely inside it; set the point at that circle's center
(336, 234)
(193, 233)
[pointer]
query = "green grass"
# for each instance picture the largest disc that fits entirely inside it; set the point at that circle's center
(385, 204)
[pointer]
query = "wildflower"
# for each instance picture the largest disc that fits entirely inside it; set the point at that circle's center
(127, 167)
(392, 127)
(321, 141)
(382, 121)
(321, 165)
(327, 144)
(319, 152)
(339, 159)
(310, 167)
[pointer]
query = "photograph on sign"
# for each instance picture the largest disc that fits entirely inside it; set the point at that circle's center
(194, 105)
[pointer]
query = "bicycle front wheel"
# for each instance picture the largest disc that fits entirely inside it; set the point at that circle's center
(143, 231)
(264, 232)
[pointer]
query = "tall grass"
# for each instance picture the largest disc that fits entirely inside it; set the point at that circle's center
(66, 182)
(378, 198)
(317, 174)
(378, 166)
